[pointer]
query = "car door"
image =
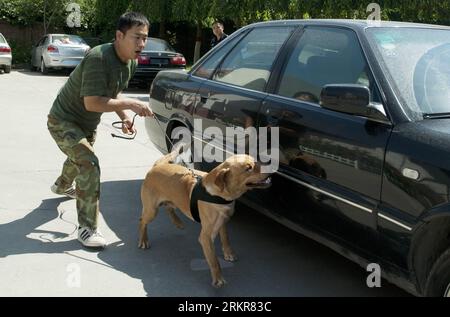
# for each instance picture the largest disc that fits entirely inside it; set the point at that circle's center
(331, 163)
(232, 97)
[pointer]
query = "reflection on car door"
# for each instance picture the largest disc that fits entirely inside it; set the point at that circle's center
(331, 163)
(233, 96)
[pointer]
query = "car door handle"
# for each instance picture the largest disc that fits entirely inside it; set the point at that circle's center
(204, 99)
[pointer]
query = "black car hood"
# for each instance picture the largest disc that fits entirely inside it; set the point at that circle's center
(434, 132)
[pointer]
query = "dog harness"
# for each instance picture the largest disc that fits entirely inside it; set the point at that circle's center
(199, 193)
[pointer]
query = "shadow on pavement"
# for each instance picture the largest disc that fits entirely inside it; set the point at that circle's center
(13, 235)
(273, 260)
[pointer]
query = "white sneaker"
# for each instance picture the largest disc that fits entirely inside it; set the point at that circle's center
(70, 192)
(91, 238)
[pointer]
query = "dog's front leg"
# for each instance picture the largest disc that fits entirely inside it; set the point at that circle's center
(206, 240)
(228, 253)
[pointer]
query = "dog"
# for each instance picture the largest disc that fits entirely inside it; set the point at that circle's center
(172, 186)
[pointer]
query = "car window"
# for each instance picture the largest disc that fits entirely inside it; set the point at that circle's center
(249, 64)
(209, 66)
(2, 39)
(324, 56)
(417, 60)
(158, 45)
(67, 40)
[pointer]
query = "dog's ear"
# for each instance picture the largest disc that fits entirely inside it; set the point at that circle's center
(221, 179)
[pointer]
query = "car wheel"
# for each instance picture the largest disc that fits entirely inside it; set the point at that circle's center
(183, 135)
(438, 282)
(7, 69)
(44, 69)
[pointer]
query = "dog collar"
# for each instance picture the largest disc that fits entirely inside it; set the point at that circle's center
(199, 193)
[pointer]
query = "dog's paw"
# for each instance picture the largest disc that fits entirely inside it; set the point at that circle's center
(220, 282)
(230, 257)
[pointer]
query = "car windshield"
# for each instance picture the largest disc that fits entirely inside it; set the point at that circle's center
(67, 40)
(158, 45)
(2, 39)
(418, 62)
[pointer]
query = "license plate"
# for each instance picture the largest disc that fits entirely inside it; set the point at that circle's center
(161, 61)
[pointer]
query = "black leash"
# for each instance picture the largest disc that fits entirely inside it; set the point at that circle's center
(131, 136)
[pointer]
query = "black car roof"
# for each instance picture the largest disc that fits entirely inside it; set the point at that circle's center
(355, 24)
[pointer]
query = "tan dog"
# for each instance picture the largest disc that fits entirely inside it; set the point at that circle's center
(172, 185)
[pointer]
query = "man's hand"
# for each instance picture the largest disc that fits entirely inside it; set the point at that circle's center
(128, 127)
(141, 108)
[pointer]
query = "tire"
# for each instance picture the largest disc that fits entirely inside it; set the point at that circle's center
(438, 282)
(7, 69)
(44, 69)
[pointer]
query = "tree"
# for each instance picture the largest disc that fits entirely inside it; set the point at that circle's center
(26, 13)
(198, 12)
(157, 11)
(106, 13)
(54, 10)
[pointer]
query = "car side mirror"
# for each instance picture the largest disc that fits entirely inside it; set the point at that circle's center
(351, 99)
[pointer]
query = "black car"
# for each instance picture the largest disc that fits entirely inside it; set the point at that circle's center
(363, 114)
(157, 55)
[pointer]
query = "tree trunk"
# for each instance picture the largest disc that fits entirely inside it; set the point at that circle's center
(45, 17)
(198, 42)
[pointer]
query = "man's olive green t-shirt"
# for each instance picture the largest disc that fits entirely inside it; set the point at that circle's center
(101, 73)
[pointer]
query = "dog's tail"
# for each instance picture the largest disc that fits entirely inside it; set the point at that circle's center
(172, 156)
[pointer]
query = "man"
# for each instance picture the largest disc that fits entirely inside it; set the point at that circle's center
(92, 89)
(219, 34)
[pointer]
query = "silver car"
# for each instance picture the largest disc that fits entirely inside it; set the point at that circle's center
(58, 51)
(5, 55)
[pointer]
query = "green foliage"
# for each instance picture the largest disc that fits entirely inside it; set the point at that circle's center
(106, 13)
(27, 13)
(21, 12)
(155, 10)
(99, 17)
(195, 11)
(20, 52)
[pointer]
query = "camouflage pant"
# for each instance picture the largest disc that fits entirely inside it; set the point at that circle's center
(81, 166)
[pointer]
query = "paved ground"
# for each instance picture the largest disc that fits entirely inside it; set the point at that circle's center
(39, 254)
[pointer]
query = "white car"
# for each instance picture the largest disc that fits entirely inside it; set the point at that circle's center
(58, 51)
(5, 55)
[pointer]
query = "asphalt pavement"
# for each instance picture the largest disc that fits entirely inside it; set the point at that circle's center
(40, 256)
